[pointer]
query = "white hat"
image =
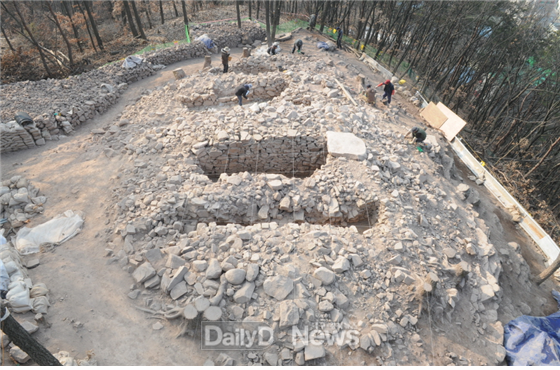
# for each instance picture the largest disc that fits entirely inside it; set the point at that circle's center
(226, 49)
(249, 85)
(276, 43)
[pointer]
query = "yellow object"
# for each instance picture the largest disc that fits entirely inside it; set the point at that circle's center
(334, 31)
(229, 58)
(483, 163)
(363, 46)
(402, 82)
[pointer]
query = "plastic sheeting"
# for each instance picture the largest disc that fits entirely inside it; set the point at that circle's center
(56, 231)
(328, 46)
(132, 61)
(533, 340)
(206, 40)
(263, 50)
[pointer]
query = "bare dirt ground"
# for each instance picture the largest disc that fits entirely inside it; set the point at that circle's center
(90, 308)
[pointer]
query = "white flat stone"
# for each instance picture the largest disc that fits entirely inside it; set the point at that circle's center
(345, 144)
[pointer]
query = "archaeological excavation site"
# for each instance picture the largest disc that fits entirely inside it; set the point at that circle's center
(185, 223)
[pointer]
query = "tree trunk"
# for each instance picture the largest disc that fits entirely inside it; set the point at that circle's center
(87, 26)
(76, 35)
(148, 17)
(544, 157)
(324, 17)
(250, 6)
(175, 9)
(267, 17)
(93, 26)
(138, 20)
(24, 24)
(26, 342)
(129, 17)
(161, 12)
(185, 18)
(258, 8)
(548, 271)
(276, 18)
(68, 46)
(238, 14)
(7, 39)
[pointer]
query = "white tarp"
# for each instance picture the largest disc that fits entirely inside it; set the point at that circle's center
(132, 61)
(56, 231)
(263, 50)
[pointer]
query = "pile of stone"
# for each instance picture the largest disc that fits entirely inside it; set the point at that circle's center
(177, 53)
(70, 102)
(222, 34)
(222, 89)
(66, 359)
(265, 63)
(228, 34)
(19, 201)
(23, 296)
(231, 249)
(121, 75)
(15, 137)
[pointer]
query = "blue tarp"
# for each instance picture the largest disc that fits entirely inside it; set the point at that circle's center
(206, 40)
(534, 340)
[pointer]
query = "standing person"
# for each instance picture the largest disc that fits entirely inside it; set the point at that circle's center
(339, 37)
(389, 90)
(312, 21)
(298, 44)
(225, 58)
(272, 50)
(243, 91)
(417, 135)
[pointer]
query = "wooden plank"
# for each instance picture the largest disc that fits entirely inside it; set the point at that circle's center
(433, 115)
(345, 92)
(454, 123)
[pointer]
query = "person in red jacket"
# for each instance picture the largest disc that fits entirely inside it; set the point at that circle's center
(389, 90)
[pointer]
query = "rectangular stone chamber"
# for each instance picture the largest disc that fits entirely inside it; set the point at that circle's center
(297, 156)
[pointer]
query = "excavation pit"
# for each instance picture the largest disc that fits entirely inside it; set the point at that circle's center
(290, 155)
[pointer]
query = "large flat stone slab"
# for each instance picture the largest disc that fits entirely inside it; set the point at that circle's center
(345, 144)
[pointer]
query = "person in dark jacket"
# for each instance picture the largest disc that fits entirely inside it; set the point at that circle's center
(389, 90)
(339, 37)
(243, 91)
(312, 21)
(298, 44)
(272, 50)
(417, 135)
(225, 58)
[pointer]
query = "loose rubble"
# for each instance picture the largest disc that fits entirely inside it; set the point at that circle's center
(253, 214)
(19, 201)
(58, 106)
(212, 208)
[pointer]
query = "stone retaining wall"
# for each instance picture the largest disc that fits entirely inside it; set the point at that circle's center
(291, 155)
(57, 106)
